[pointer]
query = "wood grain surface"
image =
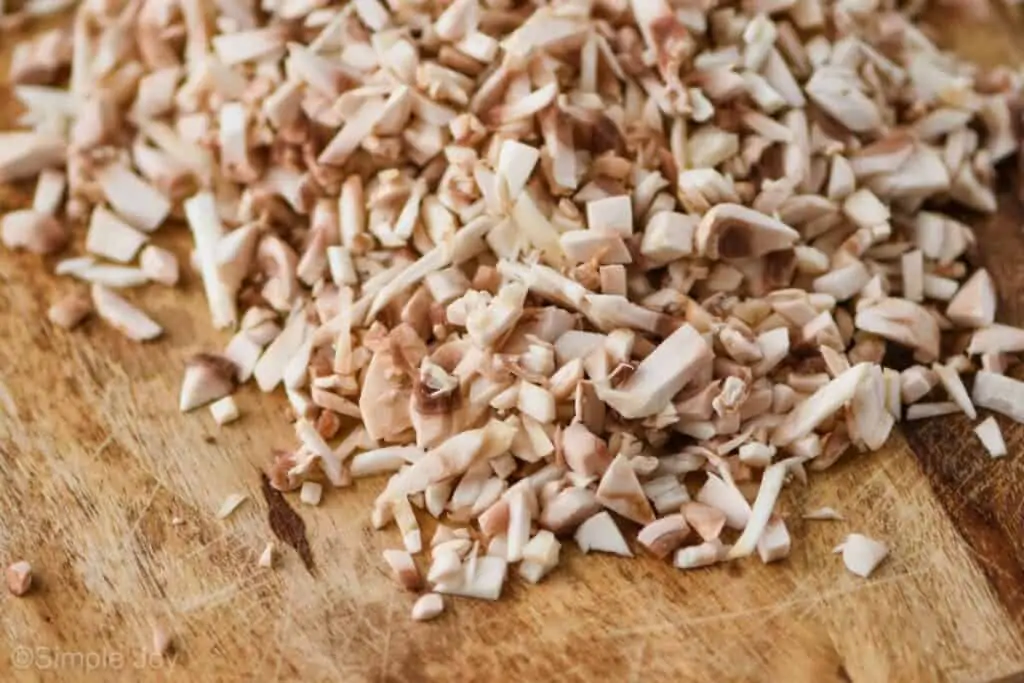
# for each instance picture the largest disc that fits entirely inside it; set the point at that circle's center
(95, 462)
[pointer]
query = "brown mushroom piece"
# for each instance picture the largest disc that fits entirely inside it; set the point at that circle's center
(732, 231)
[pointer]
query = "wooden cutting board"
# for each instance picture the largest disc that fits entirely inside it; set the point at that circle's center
(96, 462)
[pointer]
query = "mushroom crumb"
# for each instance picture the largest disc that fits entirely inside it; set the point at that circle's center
(991, 437)
(427, 607)
(541, 268)
(163, 642)
(266, 558)
(230, 504)
(19, 578)
(862, 554)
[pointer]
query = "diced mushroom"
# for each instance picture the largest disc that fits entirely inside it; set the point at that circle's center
(991, 437)
(124, 317)
(427, 607)
(208, 377)
(975, 302)
(703, 555)
(600, 533)
(403, 568)
(69, 311)
(19, 578)
(733, 231)
(999, 393)
(33, 231)
(620, 491)
(662, 536)
(862, 555)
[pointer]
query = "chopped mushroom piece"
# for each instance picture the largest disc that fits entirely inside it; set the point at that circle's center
(19, 578)
(124, 317)
(997, 338)
(620, 491)
(37, 232)
(311, 493)
(404, 569)
(820, 406)
(553, 258)
(775, 542)
(70, 311)
(427, 607)
(825, 514)
(703, 555)
(661, 375)
(991, 437)
(266, 559)
(862, 555)
(112, 238)
(919, 411)
(662, 536)
(733, 231)
(484, 582)
(955, 388)
(207, 378)
(159, 265)
(583, 451)
(224, 411)
(601, 534)
(230, 504)
(999, 393)
(975, 302)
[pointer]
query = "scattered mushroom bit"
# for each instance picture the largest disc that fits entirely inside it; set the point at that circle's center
(19, 578)
(564, 260)
(991, 437)
(862, 554)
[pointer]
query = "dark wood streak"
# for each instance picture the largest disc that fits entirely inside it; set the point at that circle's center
(984, 498)
(286, 524)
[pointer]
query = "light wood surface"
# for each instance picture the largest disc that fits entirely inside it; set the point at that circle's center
(95, 462)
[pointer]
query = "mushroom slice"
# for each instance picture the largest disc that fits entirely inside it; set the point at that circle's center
(37, 232)
(207, 230)
(761, 511)
(601, 534)
(735, 231)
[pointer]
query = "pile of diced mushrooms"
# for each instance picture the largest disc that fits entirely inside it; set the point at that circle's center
(561, 270)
